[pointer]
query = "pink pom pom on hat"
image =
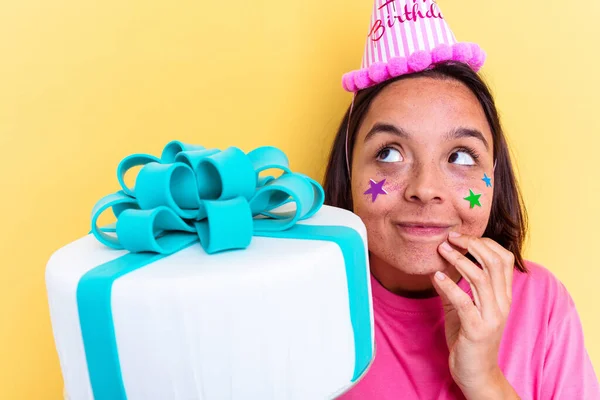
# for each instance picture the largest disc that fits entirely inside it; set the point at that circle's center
(408, 36)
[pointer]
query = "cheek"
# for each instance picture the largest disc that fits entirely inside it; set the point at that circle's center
(473, 201)
(394, 185)
(369, 205)
(374, 212)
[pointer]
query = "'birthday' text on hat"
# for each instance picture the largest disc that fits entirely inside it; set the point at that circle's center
(426, 9)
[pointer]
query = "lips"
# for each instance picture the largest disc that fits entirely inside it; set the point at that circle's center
(424, 229)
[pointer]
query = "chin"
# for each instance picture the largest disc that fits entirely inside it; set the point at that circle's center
(423, 266)
(420, 261)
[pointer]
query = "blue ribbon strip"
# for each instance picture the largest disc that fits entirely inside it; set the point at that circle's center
(211, 197)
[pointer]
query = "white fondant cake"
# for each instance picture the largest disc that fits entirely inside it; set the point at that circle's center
(272, 321)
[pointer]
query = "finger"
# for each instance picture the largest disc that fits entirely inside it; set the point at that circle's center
(490, 261)
(488, 258)
(509, 259)
(453, 297)
(473, 289)
(477, 278)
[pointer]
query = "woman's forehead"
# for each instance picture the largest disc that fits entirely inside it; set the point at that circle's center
(426, 97)
(426, 106)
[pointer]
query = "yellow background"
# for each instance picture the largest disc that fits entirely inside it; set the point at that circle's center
(84, 83)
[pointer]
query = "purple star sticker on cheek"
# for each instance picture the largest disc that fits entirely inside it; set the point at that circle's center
(375, 189)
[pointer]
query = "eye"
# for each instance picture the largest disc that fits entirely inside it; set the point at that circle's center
(389, 155)
(463, 157)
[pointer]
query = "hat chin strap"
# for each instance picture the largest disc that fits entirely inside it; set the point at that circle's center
(347, 132)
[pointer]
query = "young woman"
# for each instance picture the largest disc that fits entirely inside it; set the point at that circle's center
(421, 157)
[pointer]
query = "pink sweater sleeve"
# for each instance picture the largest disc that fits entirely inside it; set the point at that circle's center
(568, 371)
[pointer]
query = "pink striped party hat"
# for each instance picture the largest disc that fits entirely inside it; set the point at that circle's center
(408, 36)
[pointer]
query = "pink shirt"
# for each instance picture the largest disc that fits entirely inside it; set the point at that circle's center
(542, 353)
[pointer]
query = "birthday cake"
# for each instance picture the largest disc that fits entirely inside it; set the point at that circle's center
(215, 282)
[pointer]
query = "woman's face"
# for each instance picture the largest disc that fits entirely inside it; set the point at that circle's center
(430, 141)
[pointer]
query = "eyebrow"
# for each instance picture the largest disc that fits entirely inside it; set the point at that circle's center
(457, 133)
(467, 132)
(386, 128)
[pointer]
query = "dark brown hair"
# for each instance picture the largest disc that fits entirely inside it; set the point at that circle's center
(507, 224)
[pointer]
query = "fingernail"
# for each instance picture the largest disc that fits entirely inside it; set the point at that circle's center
(440, 276)
(454, 234)
(446, 247)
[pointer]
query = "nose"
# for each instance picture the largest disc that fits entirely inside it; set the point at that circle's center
(425, 184)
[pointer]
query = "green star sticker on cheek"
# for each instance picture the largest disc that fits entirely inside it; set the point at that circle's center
(473, 199)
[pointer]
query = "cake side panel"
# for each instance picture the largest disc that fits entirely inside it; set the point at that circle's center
(175, 318)
(269, 322)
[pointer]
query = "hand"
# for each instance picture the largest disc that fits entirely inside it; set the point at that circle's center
(474, 329)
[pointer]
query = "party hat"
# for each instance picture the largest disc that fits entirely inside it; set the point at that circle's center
(407, 36)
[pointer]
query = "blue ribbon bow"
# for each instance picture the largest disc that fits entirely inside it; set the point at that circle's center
(192, 193)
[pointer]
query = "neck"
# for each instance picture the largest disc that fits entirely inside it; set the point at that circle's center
(417, 286)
